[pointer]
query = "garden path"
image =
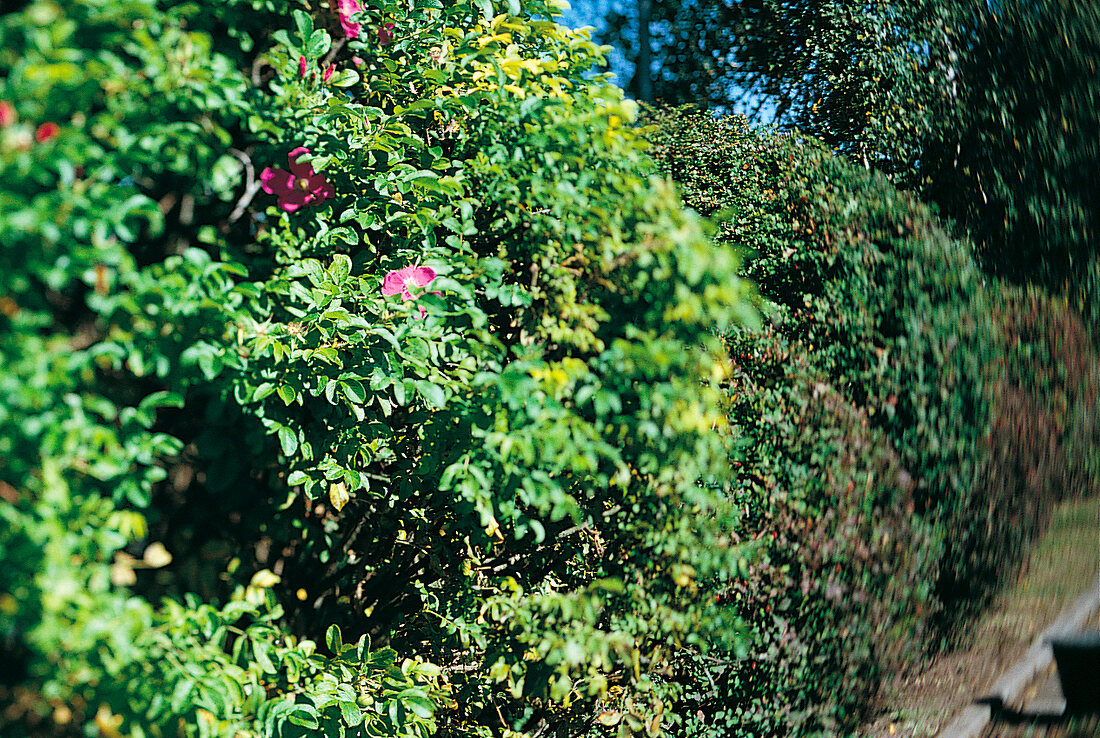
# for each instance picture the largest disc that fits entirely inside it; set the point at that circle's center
(1064, 563)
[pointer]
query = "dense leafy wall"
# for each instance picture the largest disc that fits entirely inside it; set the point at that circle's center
(907, 425)
(354, 326)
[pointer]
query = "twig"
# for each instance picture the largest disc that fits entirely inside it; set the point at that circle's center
(567, 532)
(251, 188)
(257, 65)
(332, 53)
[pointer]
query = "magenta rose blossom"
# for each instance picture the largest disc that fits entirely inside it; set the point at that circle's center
(300, 186)
(7, 113)
(385, 34)
(398, 282)
(46, 131)
(347, 8)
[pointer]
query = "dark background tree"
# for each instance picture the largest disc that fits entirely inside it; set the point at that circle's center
(1024, 171)
(683, 43)
(989, 110)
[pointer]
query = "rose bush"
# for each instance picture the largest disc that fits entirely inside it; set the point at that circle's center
(504, 501)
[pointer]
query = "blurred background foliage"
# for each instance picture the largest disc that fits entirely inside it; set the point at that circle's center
(986, 110)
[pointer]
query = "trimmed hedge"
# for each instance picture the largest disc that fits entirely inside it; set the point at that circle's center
(898, 454)
(1044, 440)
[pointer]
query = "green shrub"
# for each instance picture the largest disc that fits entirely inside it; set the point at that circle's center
(1043, 441)
(883, 486)
(446, 389)
(116, 662)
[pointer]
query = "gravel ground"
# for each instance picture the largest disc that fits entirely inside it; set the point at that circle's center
(1061, 568)
(1087, 727)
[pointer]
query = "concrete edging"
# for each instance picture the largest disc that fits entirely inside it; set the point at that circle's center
(972, 720)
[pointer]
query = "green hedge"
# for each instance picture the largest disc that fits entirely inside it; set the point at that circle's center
(898, 455)
(370, 322)
(1044, 437)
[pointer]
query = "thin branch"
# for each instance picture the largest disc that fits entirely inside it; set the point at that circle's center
(257, 65)
(332, 53)
(250, 189)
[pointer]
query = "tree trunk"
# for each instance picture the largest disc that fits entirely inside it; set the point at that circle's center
(643, 84)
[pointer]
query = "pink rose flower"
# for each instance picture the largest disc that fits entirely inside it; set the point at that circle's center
(300, 186)
(385, 34)
(301, 66)
(347, 8)
(398, 282)
(7, 113)
(46, 131)
(327, 75)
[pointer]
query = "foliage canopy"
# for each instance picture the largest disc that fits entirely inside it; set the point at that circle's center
(988, 110)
